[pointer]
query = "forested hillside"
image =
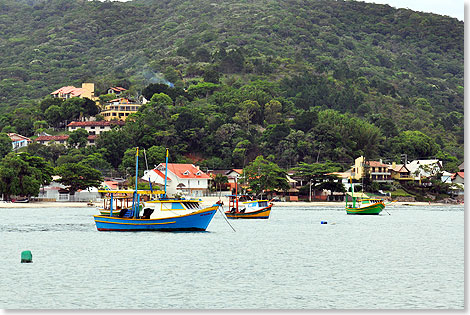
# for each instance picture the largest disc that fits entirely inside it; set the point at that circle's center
(305, 81)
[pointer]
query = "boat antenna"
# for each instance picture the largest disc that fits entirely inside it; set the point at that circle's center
(166, 169)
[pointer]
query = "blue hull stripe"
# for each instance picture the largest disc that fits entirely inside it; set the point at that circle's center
(193, 222)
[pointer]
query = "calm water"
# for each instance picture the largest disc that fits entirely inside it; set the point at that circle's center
(410, 259)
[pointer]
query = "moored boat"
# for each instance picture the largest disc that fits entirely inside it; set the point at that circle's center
(362, 204)
(159, 214)
(114, 201)
(365, 206)
(246, 207)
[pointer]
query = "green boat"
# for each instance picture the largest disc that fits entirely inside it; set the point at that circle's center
(362, 204)
(365, 206)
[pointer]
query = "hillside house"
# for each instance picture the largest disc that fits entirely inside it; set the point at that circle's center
(116, 90)
(86, 91)
(119, 109)
(19, 141)
(62, 139)
(94, 127)
(184, 179)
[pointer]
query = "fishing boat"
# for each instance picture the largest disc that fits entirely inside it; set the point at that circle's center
(362, 204)
(247, 207)
(115, 200)
(159, 214)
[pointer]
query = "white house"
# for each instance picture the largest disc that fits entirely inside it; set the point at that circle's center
(424, 168)
(94, 127)
(184, 179)
(19, 141)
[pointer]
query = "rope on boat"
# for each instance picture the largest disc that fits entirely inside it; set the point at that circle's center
(223, 214)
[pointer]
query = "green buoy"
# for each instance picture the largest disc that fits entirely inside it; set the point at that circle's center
(26, 256)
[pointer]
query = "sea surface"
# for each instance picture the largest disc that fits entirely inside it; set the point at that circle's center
(406, 258)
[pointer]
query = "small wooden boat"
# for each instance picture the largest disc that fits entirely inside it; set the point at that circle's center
(246, 207)
(160, 214)
(116, 200)
(366, 206)
(362, 204)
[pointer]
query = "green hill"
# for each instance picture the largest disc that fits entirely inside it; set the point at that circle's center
(398, 70)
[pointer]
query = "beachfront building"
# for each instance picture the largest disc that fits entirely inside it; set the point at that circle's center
(182, 179)
(424, 168)
(378, 171)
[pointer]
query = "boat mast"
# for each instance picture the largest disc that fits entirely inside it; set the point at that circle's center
(166, 169)
(135, 202)
(236, 192)
(352, 193)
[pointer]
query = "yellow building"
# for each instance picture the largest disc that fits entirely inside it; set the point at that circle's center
(378, 171)
(86, 91)
(119, 109)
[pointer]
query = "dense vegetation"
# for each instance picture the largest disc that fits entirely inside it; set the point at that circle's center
(298, 81)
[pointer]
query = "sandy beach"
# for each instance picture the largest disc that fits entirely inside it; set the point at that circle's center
(207, 201)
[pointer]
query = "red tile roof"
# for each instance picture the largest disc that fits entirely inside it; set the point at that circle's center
(52, 138)
(95, 123)
(17, 137)
(180, 169)
(376, 164)
(400, 168)
(118, 89)
(73, 91)
(461, 174)
(161, 174)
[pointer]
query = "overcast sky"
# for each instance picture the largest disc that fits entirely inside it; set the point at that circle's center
(453, 8)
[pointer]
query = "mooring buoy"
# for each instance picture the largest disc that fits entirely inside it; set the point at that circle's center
(26, 256)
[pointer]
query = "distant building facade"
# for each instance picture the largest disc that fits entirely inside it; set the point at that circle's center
(119, 109)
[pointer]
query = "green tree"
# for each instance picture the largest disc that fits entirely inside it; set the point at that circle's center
(219, 181)
(319, 175)
(53, 115)
(416, 144)
(263, 175)
(23, 174)
(78, 138)
(78, 176)
(5, 145)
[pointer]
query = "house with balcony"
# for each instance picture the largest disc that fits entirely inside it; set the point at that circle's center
(378, 171)
(94, 127)
(182, 179)
(400, 172)
(119, 109)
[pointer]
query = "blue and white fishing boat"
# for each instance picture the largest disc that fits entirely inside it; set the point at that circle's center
(158, 214)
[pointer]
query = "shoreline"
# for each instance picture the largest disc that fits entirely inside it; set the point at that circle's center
(208, 201)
